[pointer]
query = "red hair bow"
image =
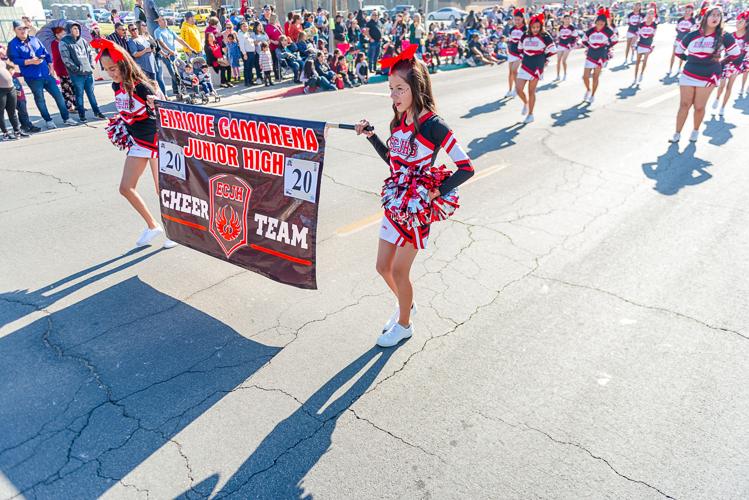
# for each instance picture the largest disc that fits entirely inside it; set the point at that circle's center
(406, 55)
(518, 12)
(604, 12)
(102, 44)
(539, 18)
(743, 15)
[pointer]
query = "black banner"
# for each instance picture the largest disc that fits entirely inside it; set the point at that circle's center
(242, 188)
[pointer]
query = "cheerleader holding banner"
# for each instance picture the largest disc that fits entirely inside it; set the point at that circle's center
(416, 193)
(133, 129)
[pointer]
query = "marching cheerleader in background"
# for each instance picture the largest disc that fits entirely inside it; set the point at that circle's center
(417, 193)
(566, 40)
(733, 67)
(702, 50)
(634, 20)
(745, 44)
(598, 40)
(645, 35)
(514, 33)
(684, 25)
(537, 47)
(134, 129)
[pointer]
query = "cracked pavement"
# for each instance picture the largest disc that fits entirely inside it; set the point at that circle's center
(582, 328)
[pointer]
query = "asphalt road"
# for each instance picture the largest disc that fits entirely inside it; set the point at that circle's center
(582, 330)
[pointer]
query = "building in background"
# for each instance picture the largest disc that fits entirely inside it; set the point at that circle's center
(14, 9)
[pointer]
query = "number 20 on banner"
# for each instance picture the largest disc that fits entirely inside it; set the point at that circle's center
(300, 179)
(172, 160)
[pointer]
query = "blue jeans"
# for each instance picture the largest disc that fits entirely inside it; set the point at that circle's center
(81, 84)
(49, 84)
(170, 68)
(159, 79)
(373, 54)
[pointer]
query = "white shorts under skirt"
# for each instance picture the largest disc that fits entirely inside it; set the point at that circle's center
(631, 35)
(524, 75)
(512, 59)
(592, 65)
(137, 151)
(644, 50)
(401, 236)
(688, 81)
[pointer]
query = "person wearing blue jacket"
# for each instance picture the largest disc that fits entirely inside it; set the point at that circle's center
(35, 63)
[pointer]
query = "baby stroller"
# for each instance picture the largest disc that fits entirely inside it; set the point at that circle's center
(189, 87)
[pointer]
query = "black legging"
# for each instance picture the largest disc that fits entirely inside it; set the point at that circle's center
(224, 72)
(8, 103)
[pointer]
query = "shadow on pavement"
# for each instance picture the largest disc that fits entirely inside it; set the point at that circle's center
(669, 79)
(300, 440)
(621, 67)
(495, 141)
(742, 104)
(627, 92)
(548, 86)
(89, 392)
(489, 107)
(673, 171)
(579, 111)
(718, 130)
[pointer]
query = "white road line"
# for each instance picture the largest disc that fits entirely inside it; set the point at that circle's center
(381, 94)
(655, 100)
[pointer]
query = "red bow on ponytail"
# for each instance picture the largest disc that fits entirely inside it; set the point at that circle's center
(538, 18)
(405, 55)
(518, 12)
(604, 12)
(102, 44)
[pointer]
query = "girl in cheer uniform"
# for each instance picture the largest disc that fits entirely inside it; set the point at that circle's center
(416, 193)
(537, 47)
(734, 67)
(645, 35)
(514, 32)
(702, 50)
(566, 40)
(634, 19)
(134, 128)
(684, 25)
(598, 40)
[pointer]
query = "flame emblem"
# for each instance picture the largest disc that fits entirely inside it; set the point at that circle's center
(229, 228)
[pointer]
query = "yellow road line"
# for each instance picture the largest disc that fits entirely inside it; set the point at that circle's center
(373, 219)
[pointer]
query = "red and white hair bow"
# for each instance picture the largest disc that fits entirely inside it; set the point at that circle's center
(102, 44)
(537, 18)
(406, 55)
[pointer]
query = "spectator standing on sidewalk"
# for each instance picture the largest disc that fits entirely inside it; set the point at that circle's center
(167, 41)
(191, 34)
(35, 63)
(266, 63)
(215, 57)
(295, 27)
(66, 84)
(78, 57)
(119, 35)
(140, 48)
(8, 99)
(247, 48)
(259, 36)
(374, 35)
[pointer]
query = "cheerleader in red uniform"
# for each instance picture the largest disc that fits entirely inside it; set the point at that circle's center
(566, 40)
(416, 193)
(133, 129)
(684, 25)
(702, 51)
(598, 40)
(734, 67)
(634, 19)
(645, 36)
(514, 32)
(537, 47)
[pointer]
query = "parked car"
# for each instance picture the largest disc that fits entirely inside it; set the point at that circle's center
(104, 17)
(127, 16)
(169, 16)
(402, 8)
(179, 18)
(201, 14)
(368, 9)
(446, 14)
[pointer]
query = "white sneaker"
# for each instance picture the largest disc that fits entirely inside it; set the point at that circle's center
(513, 93)
(394, 318)
(675, 138)
(525, 110)
(169, 243)
(587, 97)
(591, 99)
(147, 235)
(508, 94)
(564, 77)
(557, 79)
(715, 104)
(640, 79)
(722, 111)
(70, 122)
(393, 336)
(741, 95)
(51, 125)
(694, 136)
(634, 82)
(528, 119)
